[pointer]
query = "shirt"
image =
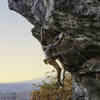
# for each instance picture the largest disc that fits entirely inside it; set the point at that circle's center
(48, 50)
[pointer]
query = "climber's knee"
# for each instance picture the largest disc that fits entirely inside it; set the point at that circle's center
(51, 62)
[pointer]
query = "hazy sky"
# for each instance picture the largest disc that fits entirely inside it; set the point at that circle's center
(20, 53)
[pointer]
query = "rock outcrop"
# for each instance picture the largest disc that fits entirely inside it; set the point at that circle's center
(79, 20)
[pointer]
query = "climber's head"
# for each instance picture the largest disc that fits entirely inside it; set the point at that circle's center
(43, 42)
(21, 6)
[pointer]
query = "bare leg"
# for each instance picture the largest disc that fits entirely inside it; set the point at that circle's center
(64, 76)
(58, 69)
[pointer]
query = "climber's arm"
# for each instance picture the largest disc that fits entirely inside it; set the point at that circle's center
(61, 36)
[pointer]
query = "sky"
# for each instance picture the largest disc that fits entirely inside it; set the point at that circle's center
(21, 56)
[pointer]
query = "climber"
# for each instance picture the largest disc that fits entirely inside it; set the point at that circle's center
(50, 58)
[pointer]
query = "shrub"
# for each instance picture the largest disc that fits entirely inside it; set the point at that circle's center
(50, 91)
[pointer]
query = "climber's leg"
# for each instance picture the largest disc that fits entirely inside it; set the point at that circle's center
(58, 69)
(64, 76)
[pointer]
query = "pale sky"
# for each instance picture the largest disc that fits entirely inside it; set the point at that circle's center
(20, 53)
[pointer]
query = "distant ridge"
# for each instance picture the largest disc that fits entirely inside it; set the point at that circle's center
(24, 86)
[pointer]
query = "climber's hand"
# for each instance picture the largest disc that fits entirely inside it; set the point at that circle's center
(61, 35)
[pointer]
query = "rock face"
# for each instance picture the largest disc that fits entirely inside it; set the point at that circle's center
(79, 20)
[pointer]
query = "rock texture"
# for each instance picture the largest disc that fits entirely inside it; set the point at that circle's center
(79, 20)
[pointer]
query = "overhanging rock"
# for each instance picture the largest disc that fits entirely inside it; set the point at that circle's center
(76, 17)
